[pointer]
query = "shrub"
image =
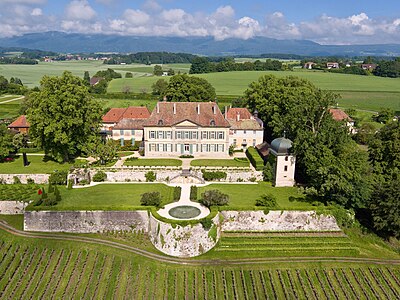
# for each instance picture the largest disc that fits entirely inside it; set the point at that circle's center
(150, 176)
(30, 181)
(252, 179)
(206, 223)
(267, 200)
(58, 178)
(177, 193)
(141, 152)
(186, 156)
(193, 193)
(268, 172)
(84, 182)
(210, 176)
(51, 188)
(255, 158)
(69, 186)
(151, 199)
(231, 149)
(16, 180)
(214, 198)
(100, 176)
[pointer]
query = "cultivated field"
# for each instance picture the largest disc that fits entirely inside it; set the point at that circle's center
(50, 269)
(10, 106)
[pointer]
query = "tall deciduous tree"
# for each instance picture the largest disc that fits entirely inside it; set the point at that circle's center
(183, 88)
(327, 158)
(6, 141)
(86, 78)
(63, 117)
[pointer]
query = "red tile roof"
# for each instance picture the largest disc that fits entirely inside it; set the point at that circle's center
(339, 115)
(21, 122)
(242, 112)
(205, 114)
(95, 80)
(114, 115)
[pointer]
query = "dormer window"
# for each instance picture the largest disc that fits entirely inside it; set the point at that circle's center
(212, 123)
(160, 122)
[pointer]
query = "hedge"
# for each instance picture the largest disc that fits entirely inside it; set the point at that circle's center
(255, 158)
(210, 176)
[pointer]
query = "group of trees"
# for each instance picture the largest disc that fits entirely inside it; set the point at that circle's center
(205, 65)
(158, 71)
(151, 58)
(101, 86)
(331, 165)
(183, 87)
(12, 86)
(388, 69)
(17, 61)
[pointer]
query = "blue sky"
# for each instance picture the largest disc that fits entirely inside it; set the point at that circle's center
(324, 21)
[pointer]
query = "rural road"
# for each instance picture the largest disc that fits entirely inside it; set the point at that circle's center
(194, 262)
(11, 100)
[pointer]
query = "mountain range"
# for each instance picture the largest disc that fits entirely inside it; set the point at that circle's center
(89, 43)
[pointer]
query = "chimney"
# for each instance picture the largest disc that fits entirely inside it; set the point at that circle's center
(174, 108)
(165, 98)
(214, 110)
(158, 108)
(237, 116)
(198, 108)
(255, 114)
(226, 112)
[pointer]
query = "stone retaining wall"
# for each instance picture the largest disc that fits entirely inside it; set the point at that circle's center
(188, 241)
(86, 221)
(38, 178)
(277, 221)
(12, 207)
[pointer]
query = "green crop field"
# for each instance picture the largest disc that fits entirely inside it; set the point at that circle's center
(35, 268)
(9, 108)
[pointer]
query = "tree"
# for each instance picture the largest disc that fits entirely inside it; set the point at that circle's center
(384, 151)
(158, 71)
(267, 200)
(328, 160)
(20, 140)
(6, 141)
(86, 78)
(385, 207)
(182, 88)
(384, 116)
(159, 87)
(171, 72)
(108, 74)
(151, 199)
(100, 87)
(3, 84)
(200, 65)
(63, 118)
(104, 151)
(128, 75)
(214, 197)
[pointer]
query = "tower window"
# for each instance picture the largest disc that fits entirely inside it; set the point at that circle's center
(286, 158)
(285, 169)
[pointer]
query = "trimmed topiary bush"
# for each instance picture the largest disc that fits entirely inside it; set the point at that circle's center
(177, 193)
(267, 200)
(255, 158)
(193, 193)
(58, 178)
(100, 176)
(150, 176)
(211, 176)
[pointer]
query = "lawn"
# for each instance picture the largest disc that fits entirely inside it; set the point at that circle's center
(373, 101)
(243, 196)
(219, 163)
(154, 162)
(10, 110)
(110, 196)
(37, 165)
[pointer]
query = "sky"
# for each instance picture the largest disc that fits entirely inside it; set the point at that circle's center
(322, 21)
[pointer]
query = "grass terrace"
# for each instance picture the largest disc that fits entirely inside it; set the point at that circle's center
(150, 162)
(243, 196)
(38, 164)
(237, 162)
(109, 196)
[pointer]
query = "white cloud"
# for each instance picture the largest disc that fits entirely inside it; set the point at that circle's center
(36, 12)
(151, 5)
(136, 17)
(79, 10)
(24, 1)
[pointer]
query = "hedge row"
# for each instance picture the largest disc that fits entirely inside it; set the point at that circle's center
(255, 158)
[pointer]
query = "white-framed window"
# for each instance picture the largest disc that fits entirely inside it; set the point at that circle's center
(220, 135)
(254, 142)
(244, 131)
(160, 134)
(152, 134)
(212, 135)
(234, 142)
(220, 148)
(169, 134)
(169, 148)
(212, 148)
(186, 135)
(195, 135)
(204, 135)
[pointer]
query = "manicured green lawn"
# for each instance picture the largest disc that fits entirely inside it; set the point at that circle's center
(243, 196)
(219, 163)
(110, 196)
(37, 165)
(154, 162)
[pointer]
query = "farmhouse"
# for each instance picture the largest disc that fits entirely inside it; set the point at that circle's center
(369, 67)
(309, 65)
(20, 125)
(246, 129)
(339, 115)
(332, 65)
(95, 80)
